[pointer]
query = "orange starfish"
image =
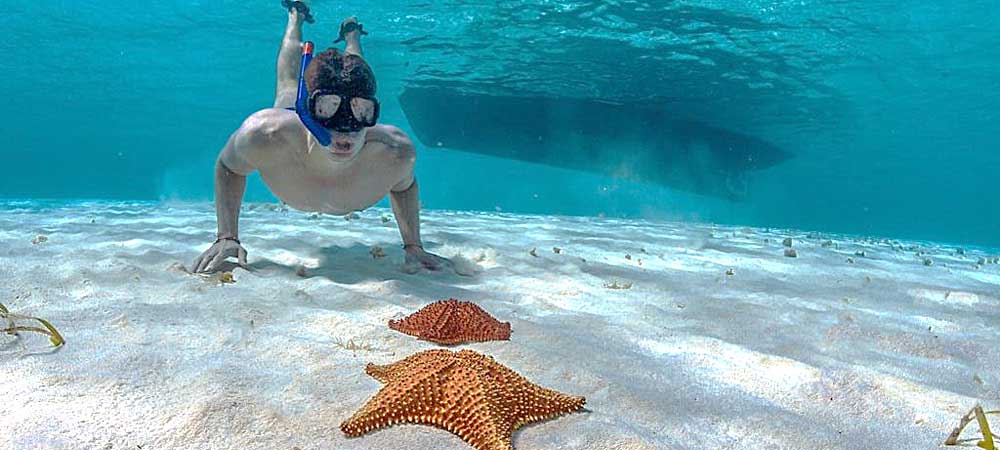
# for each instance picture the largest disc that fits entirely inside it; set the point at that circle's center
(450, 322)
(466, 393)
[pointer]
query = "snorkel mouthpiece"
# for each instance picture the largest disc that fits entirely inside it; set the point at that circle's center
(302, 100)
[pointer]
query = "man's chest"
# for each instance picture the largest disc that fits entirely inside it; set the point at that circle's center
(313, 184)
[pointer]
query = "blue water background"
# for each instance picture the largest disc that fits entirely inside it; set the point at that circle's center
(890, 108)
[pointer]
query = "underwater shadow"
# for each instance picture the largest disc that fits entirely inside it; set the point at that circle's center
(355, 264)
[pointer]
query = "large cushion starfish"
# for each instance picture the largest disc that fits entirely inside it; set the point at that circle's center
(464, 392)
(452, 322)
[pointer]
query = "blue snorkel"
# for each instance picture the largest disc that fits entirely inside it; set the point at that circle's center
(302, 100)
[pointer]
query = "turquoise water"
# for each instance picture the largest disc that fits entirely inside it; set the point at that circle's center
(888, 109)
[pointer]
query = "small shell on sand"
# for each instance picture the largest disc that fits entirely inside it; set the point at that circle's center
(377, 252)
(928, 262)
(730, 272)
(860, 253)
(827, 244)
(556, 250)
(352, 216)
(850, 260)
(628, 256)
(385, 219)
(617, 285)
(787, 242)
(791, 253)
(217, 277)
(533, 252)
(39, 239)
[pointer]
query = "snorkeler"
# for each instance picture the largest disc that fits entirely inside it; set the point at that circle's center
(320, 147)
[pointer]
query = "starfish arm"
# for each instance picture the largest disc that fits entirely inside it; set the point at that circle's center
(523, 401)
(389, 372)
(471, 412)
(411, 385)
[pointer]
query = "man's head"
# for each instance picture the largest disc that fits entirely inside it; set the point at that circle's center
(342, 98)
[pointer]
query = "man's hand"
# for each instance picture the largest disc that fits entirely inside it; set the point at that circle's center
(213, 258)
(416, 258)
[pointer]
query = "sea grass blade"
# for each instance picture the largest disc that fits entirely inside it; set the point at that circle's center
(984, 426)
(56, 338)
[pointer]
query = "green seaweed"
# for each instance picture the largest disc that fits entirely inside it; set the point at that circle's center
(13, 328)
(984, 426)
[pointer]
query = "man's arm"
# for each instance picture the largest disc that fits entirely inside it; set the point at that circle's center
(229, 189)
(405, 200)
(404, 196)
(235, 161)
(406, 208)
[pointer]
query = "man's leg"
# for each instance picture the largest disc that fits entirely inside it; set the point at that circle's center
(353, 38)
(289, 62)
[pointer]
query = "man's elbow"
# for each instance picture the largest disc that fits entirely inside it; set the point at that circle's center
(221, 167)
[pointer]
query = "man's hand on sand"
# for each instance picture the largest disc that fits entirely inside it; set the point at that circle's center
(416, 258)
(213, 259)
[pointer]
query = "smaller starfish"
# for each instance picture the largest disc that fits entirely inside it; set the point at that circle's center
(450, 322)
(466, 393)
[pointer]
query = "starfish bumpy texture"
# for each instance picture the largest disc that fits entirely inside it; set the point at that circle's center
(466, 393)
(452, 322)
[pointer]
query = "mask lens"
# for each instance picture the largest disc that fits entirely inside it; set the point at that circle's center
(326, 106)
(363, 110)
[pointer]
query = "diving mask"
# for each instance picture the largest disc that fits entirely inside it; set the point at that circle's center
(343, 113)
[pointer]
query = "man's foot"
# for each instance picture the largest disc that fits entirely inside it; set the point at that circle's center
(300, 7)
(348, 26)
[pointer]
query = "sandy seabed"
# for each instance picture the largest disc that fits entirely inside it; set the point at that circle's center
(641, 318)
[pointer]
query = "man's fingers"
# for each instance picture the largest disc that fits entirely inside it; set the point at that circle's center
(197, 262)
(203, 263)
(241, 255)
(432, 264)
(216, 262)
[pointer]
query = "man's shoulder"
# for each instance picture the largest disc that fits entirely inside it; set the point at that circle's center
(266, 127)
(394, 140)
(270, 118)
(397, 152)
(389, 135)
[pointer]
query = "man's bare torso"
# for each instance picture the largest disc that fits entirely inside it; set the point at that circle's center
(309, 177)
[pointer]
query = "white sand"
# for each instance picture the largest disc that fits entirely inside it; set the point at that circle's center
(811, 352)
